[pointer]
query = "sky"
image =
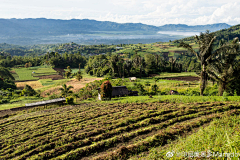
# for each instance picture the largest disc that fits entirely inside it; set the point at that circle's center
(151, 12)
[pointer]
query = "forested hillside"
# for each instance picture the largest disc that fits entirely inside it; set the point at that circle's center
(224, 34)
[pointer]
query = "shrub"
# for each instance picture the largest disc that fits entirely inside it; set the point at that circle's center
(192, 92)
(53, 96)
(212, 91)
(69, 100)
(28, 91)
(106, 90)
(4, 101)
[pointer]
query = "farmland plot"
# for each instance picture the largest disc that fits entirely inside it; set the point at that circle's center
(103, 131)
(32, 73)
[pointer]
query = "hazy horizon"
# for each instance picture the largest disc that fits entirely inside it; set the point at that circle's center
(116, 22)
(150, 12)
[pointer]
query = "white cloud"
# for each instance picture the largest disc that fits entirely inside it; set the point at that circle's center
(154, 12)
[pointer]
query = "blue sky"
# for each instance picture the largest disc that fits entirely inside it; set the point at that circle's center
(152, 12)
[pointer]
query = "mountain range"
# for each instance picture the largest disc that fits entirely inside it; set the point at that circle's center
(53, 27)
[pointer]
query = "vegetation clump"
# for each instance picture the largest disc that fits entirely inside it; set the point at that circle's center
(65, 90)
(106, 90)
(28, 91)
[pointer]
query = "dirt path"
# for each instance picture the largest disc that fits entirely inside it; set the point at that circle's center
(33, 84)
(77, 85)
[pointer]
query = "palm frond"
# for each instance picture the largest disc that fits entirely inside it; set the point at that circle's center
(207, 48)
(188, 47)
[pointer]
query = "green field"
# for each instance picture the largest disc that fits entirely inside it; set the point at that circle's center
(20, 102)
(27, 73)
(142, 49)
(168, 98)
(47, 82)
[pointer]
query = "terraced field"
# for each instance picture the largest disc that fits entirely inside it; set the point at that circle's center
(102, 131)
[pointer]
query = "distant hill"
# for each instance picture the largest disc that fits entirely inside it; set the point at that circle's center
(199, 28)
(51, 27)
(226, 34)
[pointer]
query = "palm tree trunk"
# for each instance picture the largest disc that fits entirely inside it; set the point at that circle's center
(222, 87)
(203, 80)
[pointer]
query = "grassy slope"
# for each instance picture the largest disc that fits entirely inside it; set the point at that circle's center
(26, 73)
(169, 98)
(154, 48)
(221, 136)
(20, 102)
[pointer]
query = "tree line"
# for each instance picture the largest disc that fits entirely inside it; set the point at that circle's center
(53, 59)
(136, 65)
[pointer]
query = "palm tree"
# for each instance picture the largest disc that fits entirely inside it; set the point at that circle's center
(224, 65)
(155, 86)
(205, 42)
(172, 62)
(138, 63)
(68, 74)
(65, 91)
(113, 63)
(79, 75)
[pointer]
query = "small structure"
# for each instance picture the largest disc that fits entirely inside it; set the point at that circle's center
(43, 103)
(119, 47)
(172, 92)
(117, 91)
(132, 79)
(133, 93)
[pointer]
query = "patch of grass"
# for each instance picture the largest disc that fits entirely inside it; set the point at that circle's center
(15, 75)
(220, 137)
(43, 71)
(167, 98)
(20, 102)
(46, 82)
(55, 83)
(27, 73)
(182, 74)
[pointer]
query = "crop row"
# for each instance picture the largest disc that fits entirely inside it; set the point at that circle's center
(128, 128)
(65, 140)
(61, 121)
(160, 138)
(83, 135)
(157, 139)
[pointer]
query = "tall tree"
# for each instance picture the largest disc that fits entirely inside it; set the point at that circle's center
(4, 73)
(224, 66)
(79, 75)
(172, 62)
(205, 42)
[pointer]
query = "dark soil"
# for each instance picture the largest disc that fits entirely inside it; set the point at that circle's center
(53, 77)
(59, 69)
(187, 78)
